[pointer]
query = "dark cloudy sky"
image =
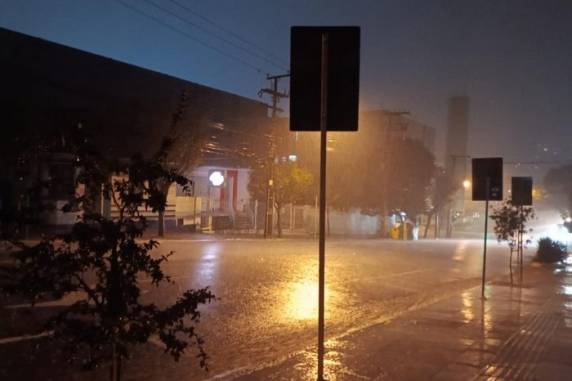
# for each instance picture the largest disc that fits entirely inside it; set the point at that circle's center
(513, 58)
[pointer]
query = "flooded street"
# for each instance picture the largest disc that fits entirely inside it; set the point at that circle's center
(266, 307)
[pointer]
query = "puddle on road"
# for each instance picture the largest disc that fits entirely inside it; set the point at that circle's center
(299, 299)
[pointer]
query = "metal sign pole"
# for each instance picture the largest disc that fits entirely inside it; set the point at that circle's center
(322, 238)
(521, 247)
(485, 239)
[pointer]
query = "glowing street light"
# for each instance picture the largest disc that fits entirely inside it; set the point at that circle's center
(466, 184)
(216, 178)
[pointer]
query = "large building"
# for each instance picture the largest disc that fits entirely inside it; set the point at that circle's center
(127, 109)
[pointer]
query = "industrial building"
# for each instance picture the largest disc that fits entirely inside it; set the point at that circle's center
(127, 110)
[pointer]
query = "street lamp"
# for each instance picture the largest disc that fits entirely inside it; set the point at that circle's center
(216, 178)
(466, 184)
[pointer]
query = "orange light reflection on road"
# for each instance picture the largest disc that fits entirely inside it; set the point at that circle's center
(301, 296)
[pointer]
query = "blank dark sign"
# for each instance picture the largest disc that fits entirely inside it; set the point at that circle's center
(521, 191)
(491, 169)
(343, 78)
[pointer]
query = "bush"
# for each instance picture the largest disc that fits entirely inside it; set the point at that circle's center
(550, 251)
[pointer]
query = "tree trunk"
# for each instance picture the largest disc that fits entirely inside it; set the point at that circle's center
(115, 371)
(449, 229)
(161, 224)
(279, 219)
(429, 218)
(384, 225)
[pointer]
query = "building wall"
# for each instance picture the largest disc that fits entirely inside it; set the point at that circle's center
(125, 109)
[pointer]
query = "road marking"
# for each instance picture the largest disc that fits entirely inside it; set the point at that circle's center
(67, 300)
(16, 339)
(389, 276)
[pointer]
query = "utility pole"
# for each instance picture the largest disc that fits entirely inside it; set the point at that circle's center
(276, 95)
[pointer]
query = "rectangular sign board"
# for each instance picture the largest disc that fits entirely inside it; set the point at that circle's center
(521, 191)
(343, 60)
(487, 169)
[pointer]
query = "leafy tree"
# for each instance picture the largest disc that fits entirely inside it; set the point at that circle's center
(441, 192)
(181, 148)
(375, 171)
(550, 251)
(511, 223)
(291, 184)
(103, 260)
(411, 171)
(558, 182)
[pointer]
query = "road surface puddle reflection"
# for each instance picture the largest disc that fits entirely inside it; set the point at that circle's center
(467, 309)
(460, 251)
(334, 368)
(300, 297)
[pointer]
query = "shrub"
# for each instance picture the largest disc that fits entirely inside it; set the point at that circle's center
(550, 251)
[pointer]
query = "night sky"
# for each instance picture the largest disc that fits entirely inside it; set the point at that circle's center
(513, 58)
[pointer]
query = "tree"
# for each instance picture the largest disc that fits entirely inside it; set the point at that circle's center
(378, 174)
(292, 184)
(375, 170)
(181, 148)
(441, 192)
(410, 172)
(109, 317)
(511, 225)
(558, 182)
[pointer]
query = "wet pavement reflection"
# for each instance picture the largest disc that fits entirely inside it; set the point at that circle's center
(394, 310)
(267, 291)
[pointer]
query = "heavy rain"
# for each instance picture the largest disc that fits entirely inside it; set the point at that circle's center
(297, 190)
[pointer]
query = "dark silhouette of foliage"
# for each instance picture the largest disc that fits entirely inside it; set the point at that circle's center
(510, 220)
(441, 193)
(510, 224)
(558, 182)
(181, 148)
(550, 251)
(102, 260)
(378, 178)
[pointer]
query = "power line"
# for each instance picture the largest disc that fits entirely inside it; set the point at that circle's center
(186, 21)
(205, 30)
(230, 32)
(540, 162)
(190, 37)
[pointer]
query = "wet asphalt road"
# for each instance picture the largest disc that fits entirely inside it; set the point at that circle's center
(267, 290)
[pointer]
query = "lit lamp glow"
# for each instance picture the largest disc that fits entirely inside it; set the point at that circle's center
(216, 178)
(466, 184)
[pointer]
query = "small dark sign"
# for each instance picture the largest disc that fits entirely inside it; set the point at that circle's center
(521, 191)
(487, 172)
(343, 60)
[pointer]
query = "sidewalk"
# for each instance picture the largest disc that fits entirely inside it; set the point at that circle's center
(515, 334)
